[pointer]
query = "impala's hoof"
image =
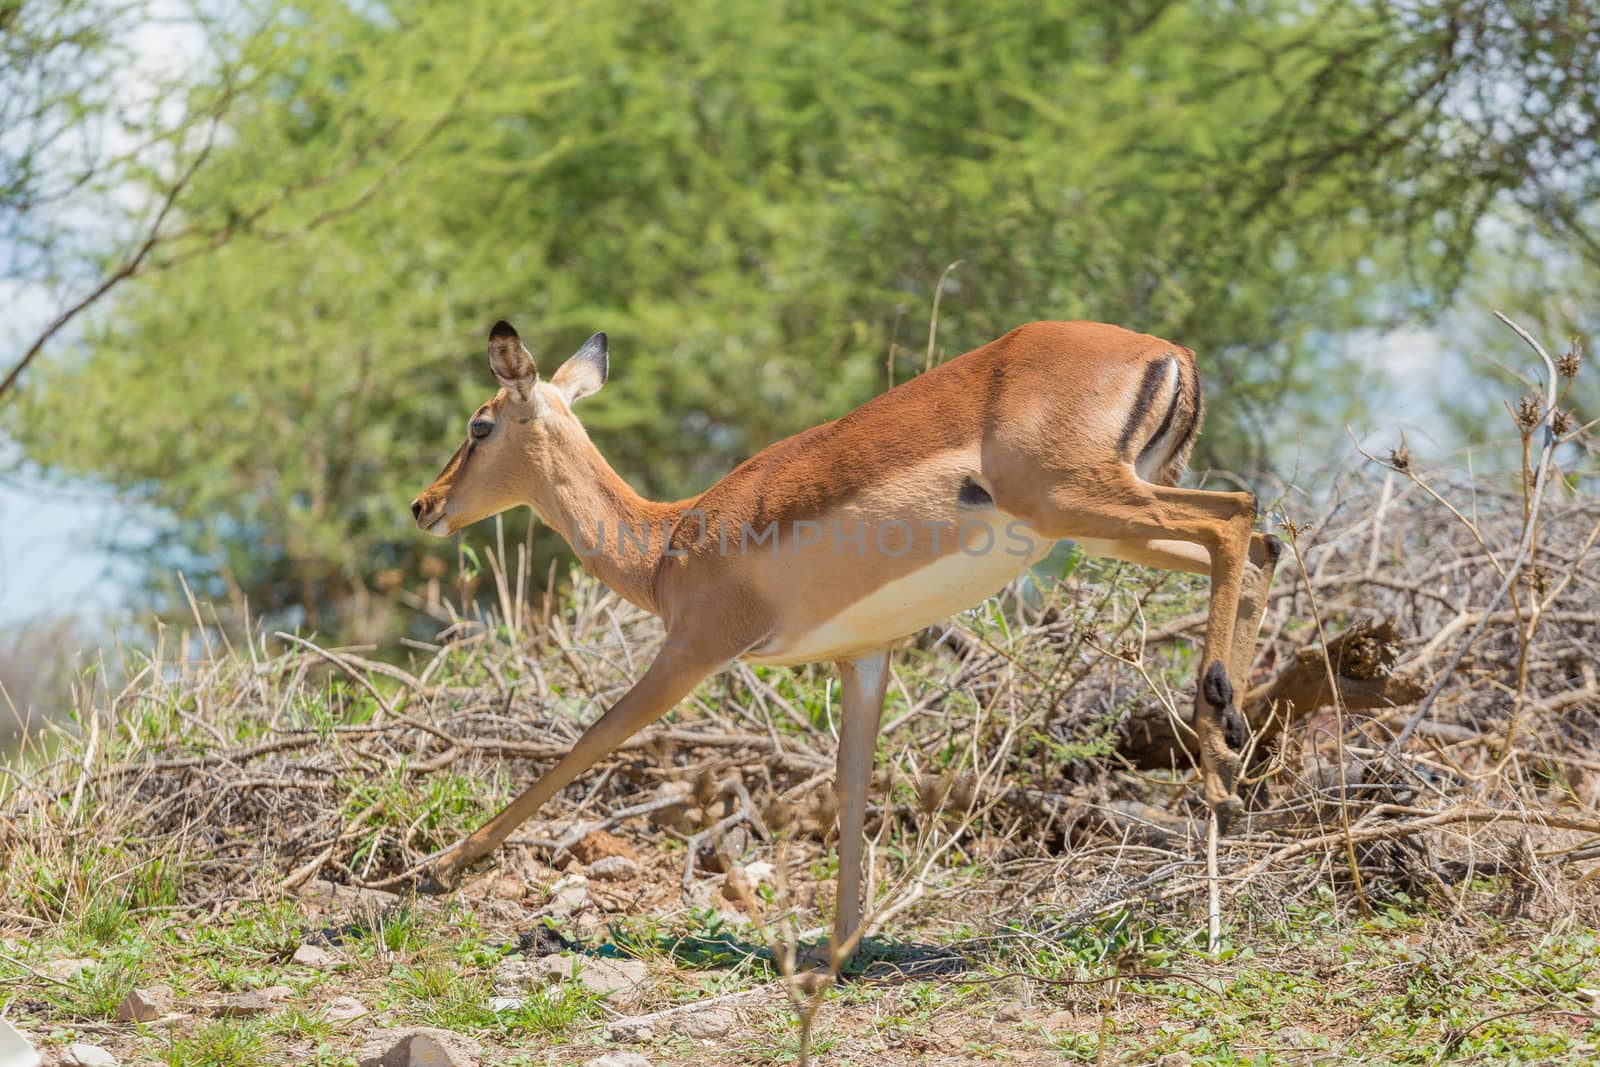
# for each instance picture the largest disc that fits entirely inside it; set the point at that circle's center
(435, 884)
(1227, 811)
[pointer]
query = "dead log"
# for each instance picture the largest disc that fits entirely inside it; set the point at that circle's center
(1363, 657)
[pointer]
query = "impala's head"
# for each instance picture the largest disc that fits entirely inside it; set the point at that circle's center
(511, 438)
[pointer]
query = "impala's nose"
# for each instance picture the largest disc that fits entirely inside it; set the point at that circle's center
(428, 510)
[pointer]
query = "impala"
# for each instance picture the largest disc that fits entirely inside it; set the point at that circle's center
(837, 543)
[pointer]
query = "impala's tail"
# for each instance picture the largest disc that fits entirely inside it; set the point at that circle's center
(1165, 419)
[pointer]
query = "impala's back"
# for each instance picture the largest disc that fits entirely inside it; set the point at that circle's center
(924, 501)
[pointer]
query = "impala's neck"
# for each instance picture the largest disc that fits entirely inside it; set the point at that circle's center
(617, 534)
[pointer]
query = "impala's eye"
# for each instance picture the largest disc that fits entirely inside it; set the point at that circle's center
(480, 428)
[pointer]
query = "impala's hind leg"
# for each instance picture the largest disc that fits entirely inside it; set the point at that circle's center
(1126, 508)
(863, 683)
(1265, 550)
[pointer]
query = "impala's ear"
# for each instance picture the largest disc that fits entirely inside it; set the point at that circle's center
(510, 361)
(585, 372)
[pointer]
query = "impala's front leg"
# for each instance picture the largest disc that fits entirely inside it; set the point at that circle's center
(680, 666)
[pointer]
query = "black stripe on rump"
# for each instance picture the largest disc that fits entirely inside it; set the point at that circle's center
(1197, 407)
(1154, 375)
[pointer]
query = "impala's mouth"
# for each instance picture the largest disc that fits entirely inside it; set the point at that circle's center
(430, 520)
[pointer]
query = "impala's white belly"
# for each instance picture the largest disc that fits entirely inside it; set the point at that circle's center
(947, 585)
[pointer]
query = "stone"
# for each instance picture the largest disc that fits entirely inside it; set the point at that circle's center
(317, 957)
(618, 1059)
(612, 976)
(1011, 1011)
(505, 888)
(570, 894)
(81, 1054)
(556, 968)
(759, 873)
(511, 976)
(333, 892)
(630, 1031)
(703, 1025)
(67, 970)
(145, 1005)
(598, 845)
(420, 1046)
(495, 887)
(597, 973)
(613, 869)
(343, 1009)
(255, 1002)
(1173, 1059)
(740, 884)
(500, 1004)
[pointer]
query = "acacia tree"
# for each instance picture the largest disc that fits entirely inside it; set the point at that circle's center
(757, 202)
(103, 164)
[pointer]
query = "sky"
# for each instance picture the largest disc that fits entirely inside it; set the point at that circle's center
(53, 538)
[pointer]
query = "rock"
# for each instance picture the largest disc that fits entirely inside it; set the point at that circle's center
(500, 1004)
(570, 894)
(144, 1005)
(599, 845)
(67, 970)
(612, 976)
(1061, 1021)
(504, 888)
(613, 869)
(331, 892)
(703, 1025)
(1174, 1059)
(1011, 1011)
(318, 957)
(597, 973)
(512, 976)
(343, 1009)
(557, 968)
(494, 887)
(1296, 1038)
(619, 1059)
(630, 1031)
(725, 853)
(760, 873)
(80, 1054)
(255, 1002)
(742, 881)
(421, 1046)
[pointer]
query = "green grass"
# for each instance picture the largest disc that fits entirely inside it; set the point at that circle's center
(223, 1043)
(554, 1011)
(441, 993)
(96, 993)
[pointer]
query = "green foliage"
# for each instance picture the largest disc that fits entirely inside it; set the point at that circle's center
(756, 201)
